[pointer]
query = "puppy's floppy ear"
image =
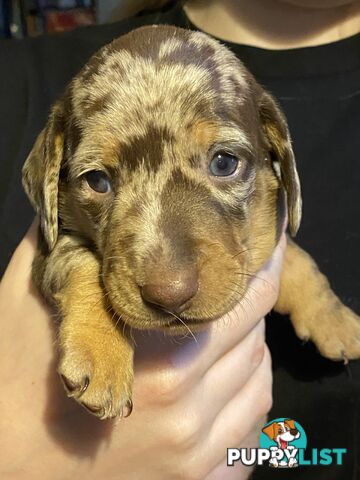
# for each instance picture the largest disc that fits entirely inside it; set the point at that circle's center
(270, 430)
(277, 134)
(41, 172)
(290, 424)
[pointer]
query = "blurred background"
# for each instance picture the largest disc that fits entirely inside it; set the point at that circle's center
(22, 18)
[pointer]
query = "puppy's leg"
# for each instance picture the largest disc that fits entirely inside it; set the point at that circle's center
(96, 358)
(315, 311)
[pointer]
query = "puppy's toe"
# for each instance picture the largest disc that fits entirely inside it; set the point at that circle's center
(121, 409)
(108, 395)
(75, 388)
(100, 381)
(343, 336)
(335, 332)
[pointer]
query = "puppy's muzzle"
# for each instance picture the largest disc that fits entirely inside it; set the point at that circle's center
(172, 290)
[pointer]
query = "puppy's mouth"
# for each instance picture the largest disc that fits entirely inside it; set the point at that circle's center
(177, 325)
(185, 316)
(283, 444)
(174, 322)
(174, 303)
(190, 320)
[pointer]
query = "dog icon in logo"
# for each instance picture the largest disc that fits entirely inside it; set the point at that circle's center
(282, 433)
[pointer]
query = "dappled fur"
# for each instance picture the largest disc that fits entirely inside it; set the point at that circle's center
(151, 109)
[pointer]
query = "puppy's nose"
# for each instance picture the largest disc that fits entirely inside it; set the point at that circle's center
(294, 431)
(171, 292)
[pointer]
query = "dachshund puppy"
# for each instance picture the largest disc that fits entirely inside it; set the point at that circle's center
(162, 179)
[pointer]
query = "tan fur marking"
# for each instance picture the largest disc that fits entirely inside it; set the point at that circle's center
(290, 424)
(92, 346)
(315, 311)
(271, 430)
(204, 133)
(277, 140)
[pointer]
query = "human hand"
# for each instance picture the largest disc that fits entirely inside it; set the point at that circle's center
(192, 399)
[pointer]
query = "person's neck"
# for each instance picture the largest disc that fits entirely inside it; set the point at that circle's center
(273, 24)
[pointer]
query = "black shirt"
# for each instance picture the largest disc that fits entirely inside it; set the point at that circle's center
(319, 90)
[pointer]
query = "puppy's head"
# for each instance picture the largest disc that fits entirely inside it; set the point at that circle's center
(175, 165)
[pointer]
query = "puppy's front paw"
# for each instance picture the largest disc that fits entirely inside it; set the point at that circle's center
(97, 371)
(335, 331)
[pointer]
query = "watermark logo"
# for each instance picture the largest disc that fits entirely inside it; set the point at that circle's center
(283, 444)
(284, 438)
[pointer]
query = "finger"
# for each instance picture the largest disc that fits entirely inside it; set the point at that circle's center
(23, 256)
(238, 471)
(240, 416)
(27, 246)
(228, 376)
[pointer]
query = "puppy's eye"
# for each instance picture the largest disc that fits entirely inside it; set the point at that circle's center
(223, 164)
(98, 181)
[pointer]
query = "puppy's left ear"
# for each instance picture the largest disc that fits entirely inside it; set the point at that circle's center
(277, 134)
(290, 424)
(41, 173)
(270, 430)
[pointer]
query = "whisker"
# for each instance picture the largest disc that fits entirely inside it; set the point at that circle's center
(239, 304)
(185, 325)
(244, 290)
(132, 336)
(242, 251)
(254, 276)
